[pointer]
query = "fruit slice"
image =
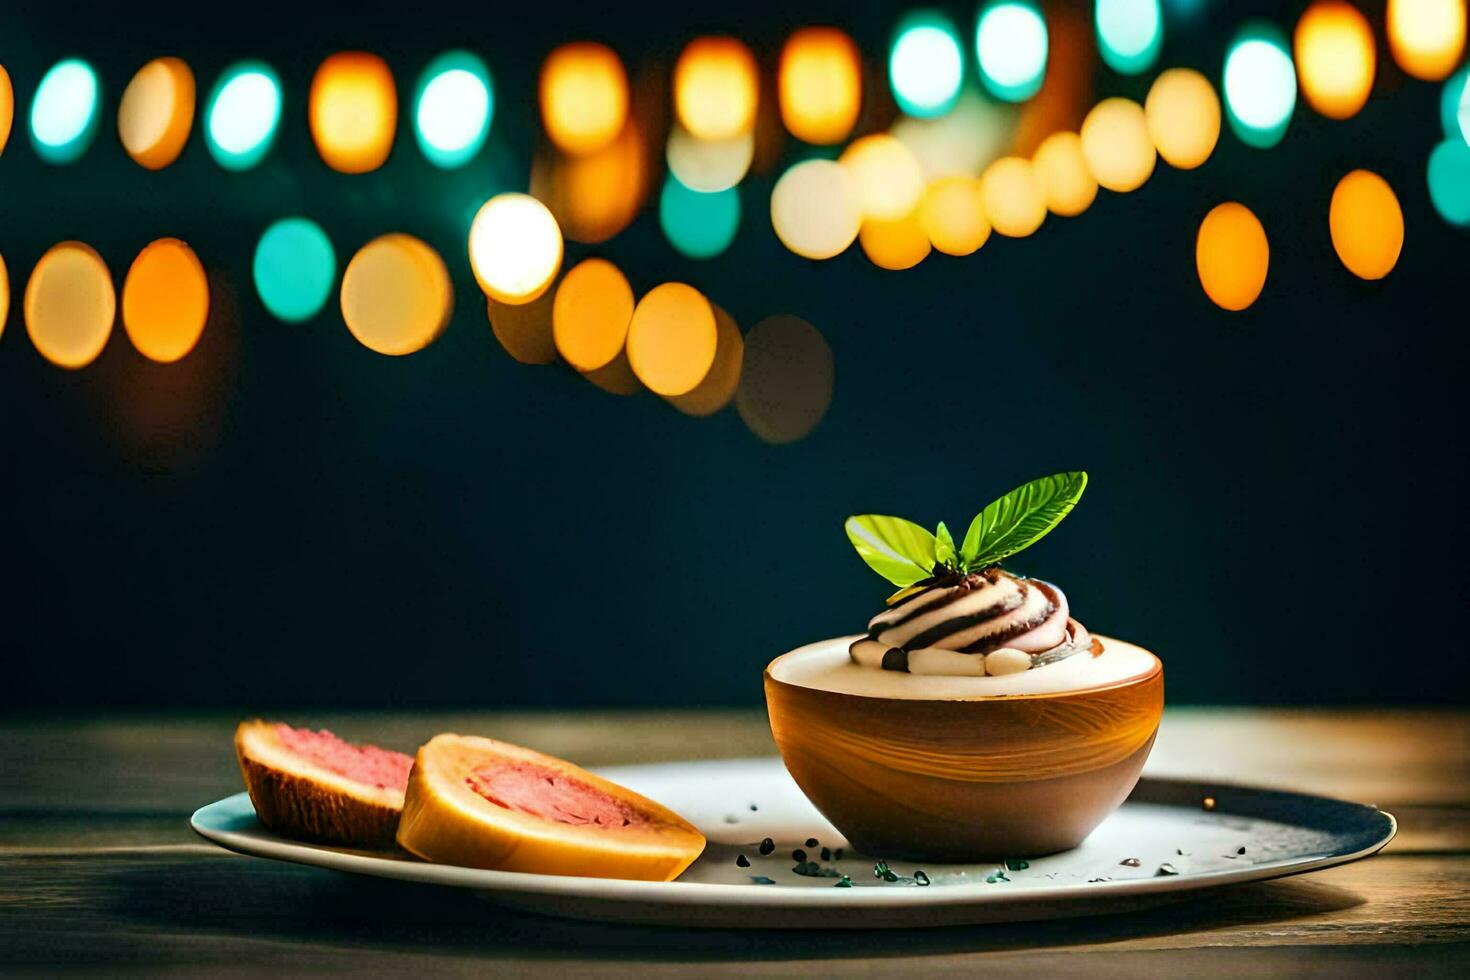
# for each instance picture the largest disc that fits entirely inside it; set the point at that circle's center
(314, 786)
(486, 804)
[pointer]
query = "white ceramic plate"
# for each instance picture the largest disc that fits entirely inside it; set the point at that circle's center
(1180, 847)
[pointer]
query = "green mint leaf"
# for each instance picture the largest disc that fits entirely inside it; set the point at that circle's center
(899, 550)
(1020, 518)
(944, 551)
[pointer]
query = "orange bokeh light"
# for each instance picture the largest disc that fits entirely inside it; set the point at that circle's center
(353, 111)
(396, 296)
(1182, 113)
(584, 97)
(1014, 201)
(820, 85)
(952, 215)
(716, 88)
(594, 305)
(889, 179)
(896, 244)
(165, 300)
(1117, 146)
(157, 112)
(7, 107)
(4, 295)
(672, 339)
(70, 305)
(1367, 224)
(1335, 58)
(1066, 183)
(1426, 37)
(1232, 256)
(595, 196)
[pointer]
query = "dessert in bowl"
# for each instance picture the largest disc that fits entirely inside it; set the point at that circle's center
(975, 719)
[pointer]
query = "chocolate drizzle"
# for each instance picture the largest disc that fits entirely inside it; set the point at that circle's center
(973, 615)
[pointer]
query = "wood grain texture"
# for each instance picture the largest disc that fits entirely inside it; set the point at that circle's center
(99, 872)
(966, 780)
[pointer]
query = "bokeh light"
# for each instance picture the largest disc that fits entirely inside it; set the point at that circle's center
(716, 88)
(7, 107)
(816, 209)
(1117, 146)
(1013, 197)
(1011, 43)
(785, 381)
(895, 244)
(4, 295)
(1260, 86)
(353, 111)
(1449, 181)
(524, 329)
(1232, 256)
(396, 296)
(591, 313)
(888, 177)
(709, 165)
(1367, 224)
(584, 97)
(157, 112)
(1426, 37)
(515, 248)
(1454, 105)
(70, 305)
(453, 109)
(243, 115)
(1129, 33)
(699, 224)
(672, 339)
(165, 300)
(820, 85)
(595, 196)
(925, 66)
(1066, 182)
(294, 269)
(65, 111)
(962, 141)
(952, 215)
(1183, 116)
(719, 385)
(1335, 58)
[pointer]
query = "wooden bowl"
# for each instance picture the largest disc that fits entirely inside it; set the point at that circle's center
(966, 779)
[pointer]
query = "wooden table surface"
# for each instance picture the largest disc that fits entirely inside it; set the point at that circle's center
(99, 871)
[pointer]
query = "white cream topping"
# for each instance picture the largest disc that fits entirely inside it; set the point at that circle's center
(827, 666)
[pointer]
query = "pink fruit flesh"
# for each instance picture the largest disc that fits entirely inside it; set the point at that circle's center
(366, 764)
(546, 793)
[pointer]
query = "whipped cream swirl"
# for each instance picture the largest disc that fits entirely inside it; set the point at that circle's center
(989, 622)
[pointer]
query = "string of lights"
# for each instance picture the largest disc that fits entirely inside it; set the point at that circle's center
(971, 151)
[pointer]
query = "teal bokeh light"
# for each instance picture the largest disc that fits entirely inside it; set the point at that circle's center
(1454, 105)
(925, 66)
(698, 225)
(1011, 44)
(1129, 34)
(294, 269)
(1260, 86)
(243, 115)
(453, 108)
(1449, 181)
(65, 111)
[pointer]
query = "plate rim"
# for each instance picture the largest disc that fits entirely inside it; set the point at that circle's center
(699, 893)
